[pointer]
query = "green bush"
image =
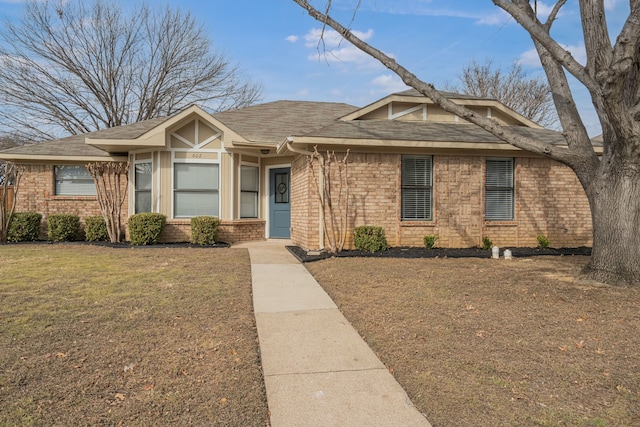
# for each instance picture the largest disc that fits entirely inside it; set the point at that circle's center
(543, 242)
(63, 227)
(487, 244)
(25, 226)
(370, 238)
(430, 241)
(204, 230)
(145, 228)
(95, 229)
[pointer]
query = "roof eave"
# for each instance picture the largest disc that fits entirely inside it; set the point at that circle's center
(48, 158)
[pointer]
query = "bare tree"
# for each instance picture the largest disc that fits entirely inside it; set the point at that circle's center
(75, 67)
(10, 175)
(612, 77)
(111, 181)
(334, 206)
(530, 97)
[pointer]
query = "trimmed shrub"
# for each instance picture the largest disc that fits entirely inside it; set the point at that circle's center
(24, 227)
(543, 242)
(204, 230)
(145, 228)
(487, 244)
(430, 241)
(95, 229)
(63, 227)
(370, 238)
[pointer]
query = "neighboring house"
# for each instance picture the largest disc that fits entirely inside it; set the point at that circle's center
(414, 170)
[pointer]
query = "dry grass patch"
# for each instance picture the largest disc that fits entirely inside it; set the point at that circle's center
(143, 336)
(497, 343)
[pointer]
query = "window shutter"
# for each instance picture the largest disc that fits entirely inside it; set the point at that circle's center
(499, 190)
(417, 195)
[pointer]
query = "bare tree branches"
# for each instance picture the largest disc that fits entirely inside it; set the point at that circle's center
(530, 97)
(10, 175)
(334, 208)
(427, 89)
(70, 68)
(111, 180)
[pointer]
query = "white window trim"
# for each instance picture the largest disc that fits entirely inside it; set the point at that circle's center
(258, 203)
(267, 194)
(133, 183)
(174, 160)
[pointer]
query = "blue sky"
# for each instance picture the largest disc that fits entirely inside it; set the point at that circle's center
(276, 42)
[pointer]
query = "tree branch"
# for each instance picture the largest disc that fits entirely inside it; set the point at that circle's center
(502, 132)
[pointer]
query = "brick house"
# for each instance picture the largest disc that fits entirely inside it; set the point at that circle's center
(414, 169)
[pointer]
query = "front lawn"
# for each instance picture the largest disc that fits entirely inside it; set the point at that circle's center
(94, 335)
(481, 342)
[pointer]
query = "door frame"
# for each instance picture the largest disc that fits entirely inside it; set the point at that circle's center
(267, 180)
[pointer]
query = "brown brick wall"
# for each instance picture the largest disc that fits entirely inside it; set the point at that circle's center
(549, 201)
(179, 230)
(37, 194)
(304, 208)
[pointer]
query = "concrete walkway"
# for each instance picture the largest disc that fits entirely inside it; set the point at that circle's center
(317, 369)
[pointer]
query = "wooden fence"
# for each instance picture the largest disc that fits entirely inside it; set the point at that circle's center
(9, 196)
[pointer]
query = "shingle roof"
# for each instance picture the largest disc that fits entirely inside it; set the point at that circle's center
(274, 121)
(70, 146)
(75, 145)
(424, 131)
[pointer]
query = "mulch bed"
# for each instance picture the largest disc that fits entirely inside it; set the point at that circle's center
(417, 252)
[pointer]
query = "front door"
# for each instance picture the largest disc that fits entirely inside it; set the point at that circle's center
(279, 203)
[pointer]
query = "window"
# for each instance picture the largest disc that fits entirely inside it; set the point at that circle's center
(282, 187)
(195, 190)
(73, 181)
(417, 188)
(248, 192)
(499, 190)
(142, 186)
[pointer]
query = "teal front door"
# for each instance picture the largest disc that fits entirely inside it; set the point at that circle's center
(279, 203)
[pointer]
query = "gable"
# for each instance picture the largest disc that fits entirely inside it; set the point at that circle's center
(195, 134)
(410, 106)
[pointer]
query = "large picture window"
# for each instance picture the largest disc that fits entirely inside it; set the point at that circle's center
(142, 185)
(499, 192)
(72, 180)
(249, 185)
(195, 190)
(417, 188)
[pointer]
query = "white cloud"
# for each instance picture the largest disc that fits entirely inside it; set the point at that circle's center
(304, 92)
(499, 17)
(331, 47)
(292, 38)
(388, 83)
(530, 57)
(610, 4)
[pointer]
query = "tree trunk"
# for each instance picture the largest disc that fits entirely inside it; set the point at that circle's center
(615, 212)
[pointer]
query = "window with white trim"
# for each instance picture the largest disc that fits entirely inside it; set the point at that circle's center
(249, 185)
(73, 180)
(142, 187)
(417, 188)
(499, 194)
(195, 189)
